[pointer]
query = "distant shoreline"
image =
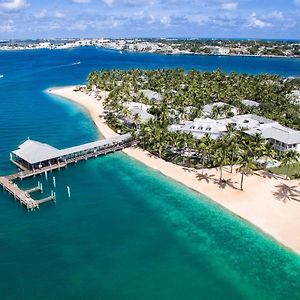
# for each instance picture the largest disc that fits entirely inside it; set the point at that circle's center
(150, 52)
(256, 204)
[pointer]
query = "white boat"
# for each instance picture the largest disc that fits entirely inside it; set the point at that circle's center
(1, 76)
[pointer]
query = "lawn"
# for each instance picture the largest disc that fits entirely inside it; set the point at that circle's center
(293, 171)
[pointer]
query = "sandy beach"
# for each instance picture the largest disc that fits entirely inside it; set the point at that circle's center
(268, 202)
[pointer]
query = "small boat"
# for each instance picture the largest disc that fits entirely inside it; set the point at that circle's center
(76, 63)
(1, 76)
(120, 52)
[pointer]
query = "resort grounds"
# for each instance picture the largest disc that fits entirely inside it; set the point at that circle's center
(268, 201)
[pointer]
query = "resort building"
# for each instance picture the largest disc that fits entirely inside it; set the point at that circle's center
(200, 127)
(139, 114)
(295, 97)
(152, 95)
(137, 109)
(209, 108)
(250, 103)
(141, 106)
(281, 137)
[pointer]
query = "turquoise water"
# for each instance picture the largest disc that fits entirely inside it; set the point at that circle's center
(126, 232)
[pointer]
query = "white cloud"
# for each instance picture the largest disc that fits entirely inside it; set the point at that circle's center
(81, 26)
(277, 15)
(13, 5)
(40, 14)
(230, 5)
(256, 22)
(8, 27)
(59, 14)
(151, 19)
(109, 2)
(199, 19)
(165, 20)
(81, 1)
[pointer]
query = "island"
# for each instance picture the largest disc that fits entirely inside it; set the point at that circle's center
(232, 137)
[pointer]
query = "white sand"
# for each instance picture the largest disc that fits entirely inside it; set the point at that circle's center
(261, 203)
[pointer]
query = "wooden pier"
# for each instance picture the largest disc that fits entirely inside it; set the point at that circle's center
(23, 196)
(34, 158)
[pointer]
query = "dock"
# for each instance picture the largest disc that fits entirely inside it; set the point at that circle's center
(23, 196)
(34, 158)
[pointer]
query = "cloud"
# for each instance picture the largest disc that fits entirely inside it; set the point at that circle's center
(151, 19)
(109, 2)
(81, 26)
(165, 20)
(256, 22)
(13, 5)
(40, 14)
(8, 27)
(59, 14)
(278, 15)
(81, 1)
(297, 2)
(229, 6)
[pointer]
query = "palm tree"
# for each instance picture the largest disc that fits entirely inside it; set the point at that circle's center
(233, 143)
(221, 158)
(289, 158)
(246, 162)
(137, 120)
(204, 148)
(257, 145)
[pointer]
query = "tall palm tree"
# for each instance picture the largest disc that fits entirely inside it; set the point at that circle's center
(289, 158)
(221, 158)
(246, 163)
(205, 147)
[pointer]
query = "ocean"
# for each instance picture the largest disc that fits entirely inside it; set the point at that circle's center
(126, 232)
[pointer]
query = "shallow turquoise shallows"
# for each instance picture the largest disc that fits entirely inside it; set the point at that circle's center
(127, 232)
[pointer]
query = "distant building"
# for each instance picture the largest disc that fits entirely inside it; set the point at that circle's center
(139, 105)
(208, 108)
(250, 103)
(152, 95)
(139, 109)
(295, 97)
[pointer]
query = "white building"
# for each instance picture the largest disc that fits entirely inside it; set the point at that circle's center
(140, 109)
(152, 95)
(139, 105)
(295, 97)
(208, 108)
(281, 137)
(250, 103)
(200, 127)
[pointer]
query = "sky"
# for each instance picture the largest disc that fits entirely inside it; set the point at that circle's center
(21, 19)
